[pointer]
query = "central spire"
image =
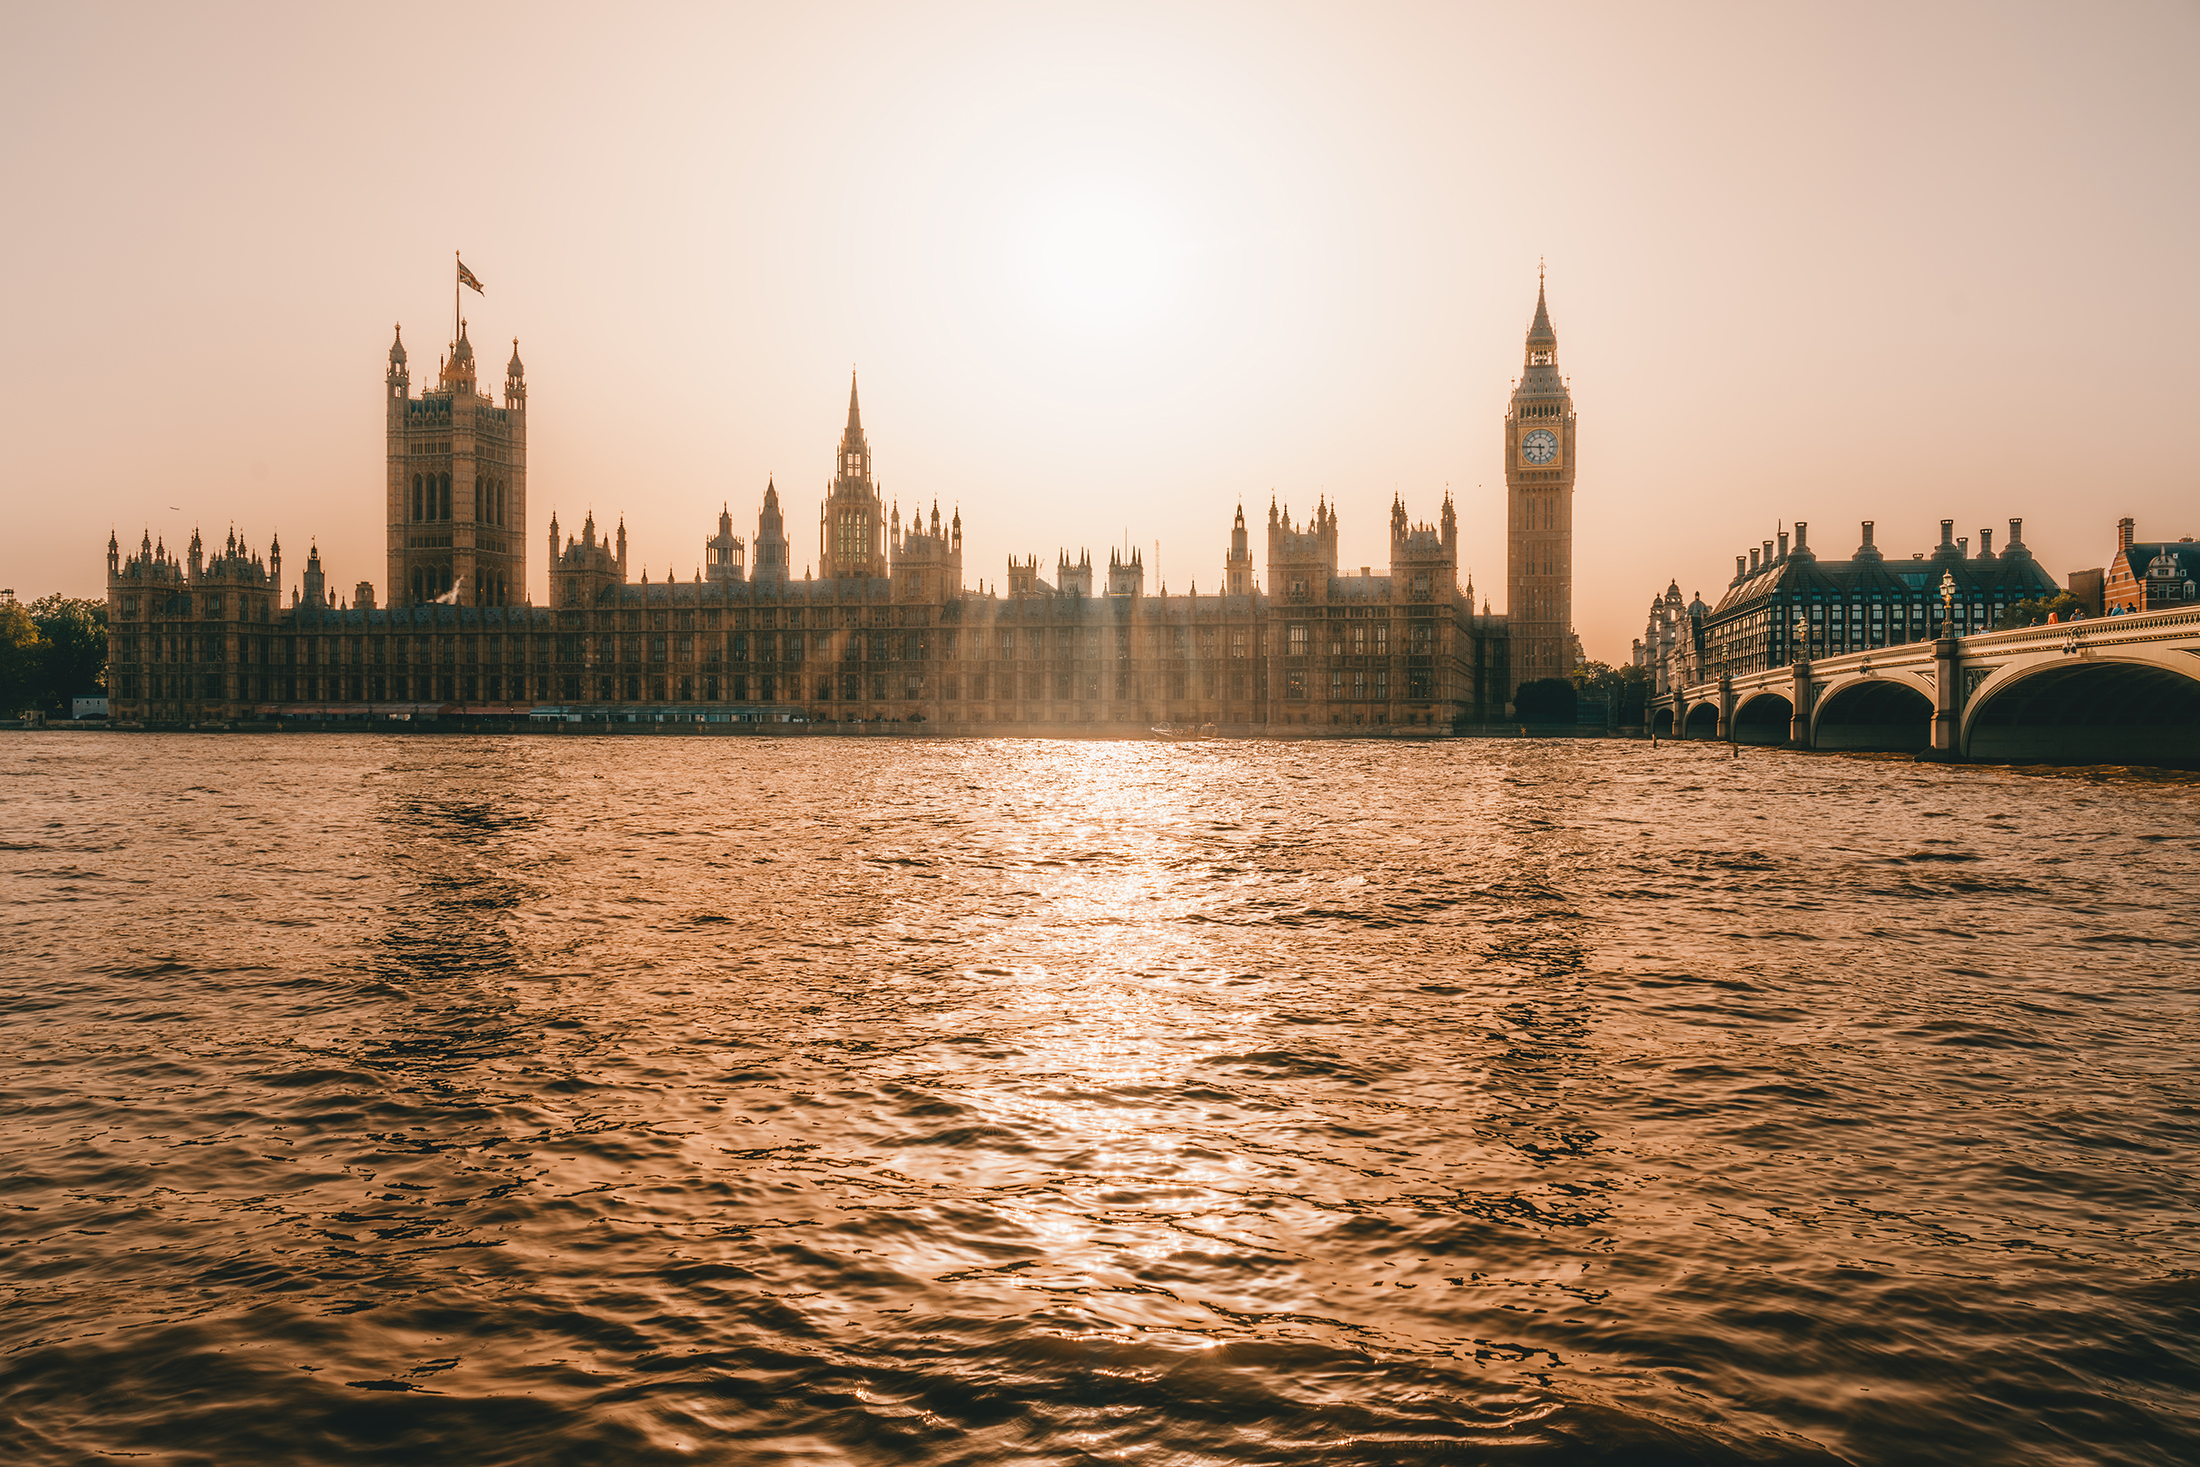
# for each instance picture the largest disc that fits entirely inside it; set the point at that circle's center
(852, 525)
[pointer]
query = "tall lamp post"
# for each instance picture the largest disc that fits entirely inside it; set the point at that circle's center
(1947, 662)
(1799, 695)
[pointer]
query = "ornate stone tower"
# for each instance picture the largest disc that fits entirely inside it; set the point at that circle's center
(1301, 562)
(771, 538)
(1539, 493)
(1237, 566)
(927, 563)
(587, 568)
(852, 525)
(457, 490)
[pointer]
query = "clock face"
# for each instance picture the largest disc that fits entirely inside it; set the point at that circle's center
(1539, 447)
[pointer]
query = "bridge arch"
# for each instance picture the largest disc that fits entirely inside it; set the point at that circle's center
(1886, 713)
(2140, 707)
(1661, 723)
(1702, 721)
(1764, 717)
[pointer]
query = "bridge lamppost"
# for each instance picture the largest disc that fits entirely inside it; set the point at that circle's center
(1947, 660)
(1799, 699)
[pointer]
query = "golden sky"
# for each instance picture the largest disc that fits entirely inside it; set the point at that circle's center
(1109, 270)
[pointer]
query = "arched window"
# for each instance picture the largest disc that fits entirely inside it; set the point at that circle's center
(444, 490)
(416, 498)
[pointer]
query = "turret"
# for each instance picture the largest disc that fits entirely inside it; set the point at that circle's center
(316, 584)
(1073, 577)
(1237, 571)
(771, 539)
(621, 557)
(114, 554)
(458, 371)
(1126, 577)
(398, 381)
(723, 553)
(515, 379)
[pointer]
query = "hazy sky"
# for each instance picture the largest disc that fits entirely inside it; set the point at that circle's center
(1109, 270)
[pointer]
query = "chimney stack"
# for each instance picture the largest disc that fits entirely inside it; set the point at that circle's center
(1985, 544)
(1739, 572)
(1947, 533)
(1867, 532)
(1963, 547)
(1783, 545)
(1801, 527)
(2124, 530)
(1768, 552)
(1752, 561)
(2016, 533)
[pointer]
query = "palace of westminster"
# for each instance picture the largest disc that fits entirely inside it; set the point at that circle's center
(886, 629)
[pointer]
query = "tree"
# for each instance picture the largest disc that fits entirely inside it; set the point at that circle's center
(71, 660)
(2034, 611)
(1620, 689)
(22, 659)
(1545, 700)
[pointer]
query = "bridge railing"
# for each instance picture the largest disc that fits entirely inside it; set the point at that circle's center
(2095, 631)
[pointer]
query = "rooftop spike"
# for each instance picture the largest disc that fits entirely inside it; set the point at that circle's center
(1539, 330)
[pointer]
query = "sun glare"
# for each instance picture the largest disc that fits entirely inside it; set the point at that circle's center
(1099, 262)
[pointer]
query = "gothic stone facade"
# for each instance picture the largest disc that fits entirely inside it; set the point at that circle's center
(894, 634)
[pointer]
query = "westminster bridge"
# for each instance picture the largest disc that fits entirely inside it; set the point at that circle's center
(2107, 690)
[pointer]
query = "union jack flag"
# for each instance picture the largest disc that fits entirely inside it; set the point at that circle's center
(468, 278)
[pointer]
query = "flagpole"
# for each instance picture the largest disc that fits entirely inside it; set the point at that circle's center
(455, 261)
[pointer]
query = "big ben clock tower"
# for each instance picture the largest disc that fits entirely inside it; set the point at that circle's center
(1539, 525)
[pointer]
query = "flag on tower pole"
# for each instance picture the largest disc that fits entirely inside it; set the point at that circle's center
(465, 277)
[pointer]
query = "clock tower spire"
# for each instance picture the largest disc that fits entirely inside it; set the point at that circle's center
(1539, 520)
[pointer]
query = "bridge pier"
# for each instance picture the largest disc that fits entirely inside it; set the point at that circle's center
(1947, 698)
(1799, 702)
(1726, 707)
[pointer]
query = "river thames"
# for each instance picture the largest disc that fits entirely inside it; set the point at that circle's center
(653, 1100)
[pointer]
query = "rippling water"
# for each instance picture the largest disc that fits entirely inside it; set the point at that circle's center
(742, 1101)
